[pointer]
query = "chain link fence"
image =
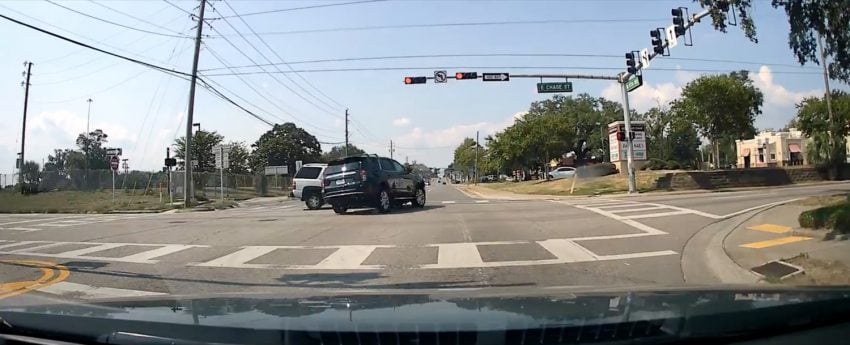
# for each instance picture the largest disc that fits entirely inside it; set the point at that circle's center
(207, 185)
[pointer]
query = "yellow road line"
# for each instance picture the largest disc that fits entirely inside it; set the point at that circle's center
(775, 242)
(48, 277)
(776, 229)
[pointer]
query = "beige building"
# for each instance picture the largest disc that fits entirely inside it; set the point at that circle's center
(772, 148)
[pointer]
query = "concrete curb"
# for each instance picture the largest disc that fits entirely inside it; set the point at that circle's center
(706, 261)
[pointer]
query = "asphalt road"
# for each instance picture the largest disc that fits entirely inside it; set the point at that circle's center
(455, 242)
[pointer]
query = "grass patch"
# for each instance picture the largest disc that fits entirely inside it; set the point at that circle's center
(79, 202)
(834, 216)
(223, 204)
(819, 272)
(823, 200)
(646, 181)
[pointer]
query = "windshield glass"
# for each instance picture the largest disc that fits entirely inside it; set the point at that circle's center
(319, 150)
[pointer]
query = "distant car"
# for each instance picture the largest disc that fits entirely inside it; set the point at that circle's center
(562, 172)
(371, 181)
(307, 185)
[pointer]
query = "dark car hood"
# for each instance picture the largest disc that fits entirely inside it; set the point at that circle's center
(411, 312)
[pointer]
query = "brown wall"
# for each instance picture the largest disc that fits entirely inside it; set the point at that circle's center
(740, 178)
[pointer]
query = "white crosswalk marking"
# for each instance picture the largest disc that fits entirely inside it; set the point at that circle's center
(567, 250)
(653, 215)
(633, 209)
(239, 258)
(144, 257)
(348, 257)
(454, 255)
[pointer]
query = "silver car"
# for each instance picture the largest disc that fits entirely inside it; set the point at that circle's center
(562, 172)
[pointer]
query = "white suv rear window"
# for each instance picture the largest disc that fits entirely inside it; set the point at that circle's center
(308, 173)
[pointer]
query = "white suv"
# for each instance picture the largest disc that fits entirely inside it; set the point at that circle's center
(307, 185)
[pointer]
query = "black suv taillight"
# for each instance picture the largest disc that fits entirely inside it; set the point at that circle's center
(362, 175)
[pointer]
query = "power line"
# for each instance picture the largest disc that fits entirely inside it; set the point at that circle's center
(461, 24)
(275, 78)
(114, 23)
(224, 62)
(306, 7)
(162, 69)
(179, 8)
(410, 68)
(137, 18)
(284, 62)
(122, 82)
(426, 56)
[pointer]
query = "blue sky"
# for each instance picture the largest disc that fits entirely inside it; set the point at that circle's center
(143, 110)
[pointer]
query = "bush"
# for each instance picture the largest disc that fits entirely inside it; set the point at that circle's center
(840, 220)
(833, 217)
(601, 169)
(656, 164)
(673, 165)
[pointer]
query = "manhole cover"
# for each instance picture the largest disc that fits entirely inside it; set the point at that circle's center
(177, 221)
(267, 220)
(777, 270)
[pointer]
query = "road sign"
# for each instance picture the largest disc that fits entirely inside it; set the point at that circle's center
(644, 58)
(277, 170)
(672, 38)
(114, 152)
(439, 76)
(554, 87)
(634, 82)
(222, 156)
(496, 76)
(113, 162)
(170, 162)
(298, 165)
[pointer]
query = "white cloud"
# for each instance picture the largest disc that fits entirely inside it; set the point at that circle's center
(779, 102)
(647, 96)
(401, 122)
(436, 147)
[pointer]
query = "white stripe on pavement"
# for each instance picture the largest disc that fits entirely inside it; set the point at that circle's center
(653, 215)
(348, 257)
(481, 201)
(636, 209)
(449, 202)
(567, 250)
(85, 291)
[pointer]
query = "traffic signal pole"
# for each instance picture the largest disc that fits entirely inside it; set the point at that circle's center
(629, 155)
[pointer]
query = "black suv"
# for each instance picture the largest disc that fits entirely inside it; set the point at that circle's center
(371, 181)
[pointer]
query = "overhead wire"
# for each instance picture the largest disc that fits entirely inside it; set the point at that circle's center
(69, 32)
(403, 68)
(275, 78)
(459, 24)
(307, 7)
(224, 62)
(266, 44)
(426, 56)
(141, 20)
(179, 8)
(146, 64)
(114, 23)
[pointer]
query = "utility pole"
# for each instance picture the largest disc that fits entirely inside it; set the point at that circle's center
(88, 144)
(629, 155)
(24, 126)
(346, 132)
(391, 149)
(170, 194)
(833, 148)
(475, 174)
(187, 177)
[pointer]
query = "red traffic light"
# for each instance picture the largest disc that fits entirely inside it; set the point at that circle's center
(466, 75)
(415, 80)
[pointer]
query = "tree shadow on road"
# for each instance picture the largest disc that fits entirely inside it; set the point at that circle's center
(308, 280)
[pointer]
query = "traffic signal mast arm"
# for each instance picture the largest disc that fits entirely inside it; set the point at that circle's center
(689, 22)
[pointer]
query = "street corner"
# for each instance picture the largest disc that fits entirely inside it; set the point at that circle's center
(22, 276)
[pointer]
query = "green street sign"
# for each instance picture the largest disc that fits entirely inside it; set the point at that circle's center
(634, 83)
(554, 87)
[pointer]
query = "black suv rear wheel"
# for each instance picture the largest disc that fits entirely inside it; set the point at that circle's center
(419, 198)
(384, 202)
(340, 208)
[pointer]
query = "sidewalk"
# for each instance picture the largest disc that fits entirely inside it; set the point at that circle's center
(774, 234)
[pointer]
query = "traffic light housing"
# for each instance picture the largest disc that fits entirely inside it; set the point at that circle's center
(621, 136)
(415, 80)
(678, 21)
(631, 65)
(466, 75)
(657, 41)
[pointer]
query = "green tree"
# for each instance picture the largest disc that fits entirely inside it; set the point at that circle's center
(30, 172)
(283, 145)
(337, 152)
(813, 120)
(91, 144)
(238, 158)
(807, 20)
(464, 157)
(720, 107)
(58, 161)
(671, 138)
(202, 150)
